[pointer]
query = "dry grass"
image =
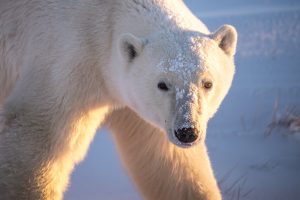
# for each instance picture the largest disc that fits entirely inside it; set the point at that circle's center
(288, 120)
(295, 125)
(235, 190)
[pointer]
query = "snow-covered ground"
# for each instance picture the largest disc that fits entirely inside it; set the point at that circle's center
(248, 162)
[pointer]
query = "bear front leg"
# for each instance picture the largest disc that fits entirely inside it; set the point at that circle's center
(160, 169)
(31, 167)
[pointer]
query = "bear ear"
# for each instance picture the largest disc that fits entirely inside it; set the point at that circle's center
(130, 46)
(226, 37)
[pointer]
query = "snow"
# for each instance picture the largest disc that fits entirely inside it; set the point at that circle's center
(248, 163)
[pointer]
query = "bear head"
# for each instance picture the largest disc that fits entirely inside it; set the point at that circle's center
(176, 80)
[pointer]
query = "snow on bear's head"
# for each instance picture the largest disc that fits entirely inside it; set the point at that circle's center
(176, 81)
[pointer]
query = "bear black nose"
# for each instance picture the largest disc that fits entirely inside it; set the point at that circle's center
(186, 135)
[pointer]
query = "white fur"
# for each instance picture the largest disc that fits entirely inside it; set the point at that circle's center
(65, 65)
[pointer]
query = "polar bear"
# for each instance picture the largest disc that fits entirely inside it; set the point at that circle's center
(147, 69)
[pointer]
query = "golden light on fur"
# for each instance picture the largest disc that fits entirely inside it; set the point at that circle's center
(65, 66)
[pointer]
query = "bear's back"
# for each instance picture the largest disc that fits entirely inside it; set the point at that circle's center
(49, 29)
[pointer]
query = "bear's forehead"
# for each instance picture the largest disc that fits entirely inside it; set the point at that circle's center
(188, 57)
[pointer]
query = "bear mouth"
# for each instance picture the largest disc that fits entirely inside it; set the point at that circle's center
(185, 145)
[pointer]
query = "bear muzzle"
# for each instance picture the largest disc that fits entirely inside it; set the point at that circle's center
(186, 135)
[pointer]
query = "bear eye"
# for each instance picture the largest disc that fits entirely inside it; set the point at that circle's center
(131, 51)
(163, 86)
(207, 85)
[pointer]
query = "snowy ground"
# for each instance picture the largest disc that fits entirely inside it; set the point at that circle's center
(248, 164)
